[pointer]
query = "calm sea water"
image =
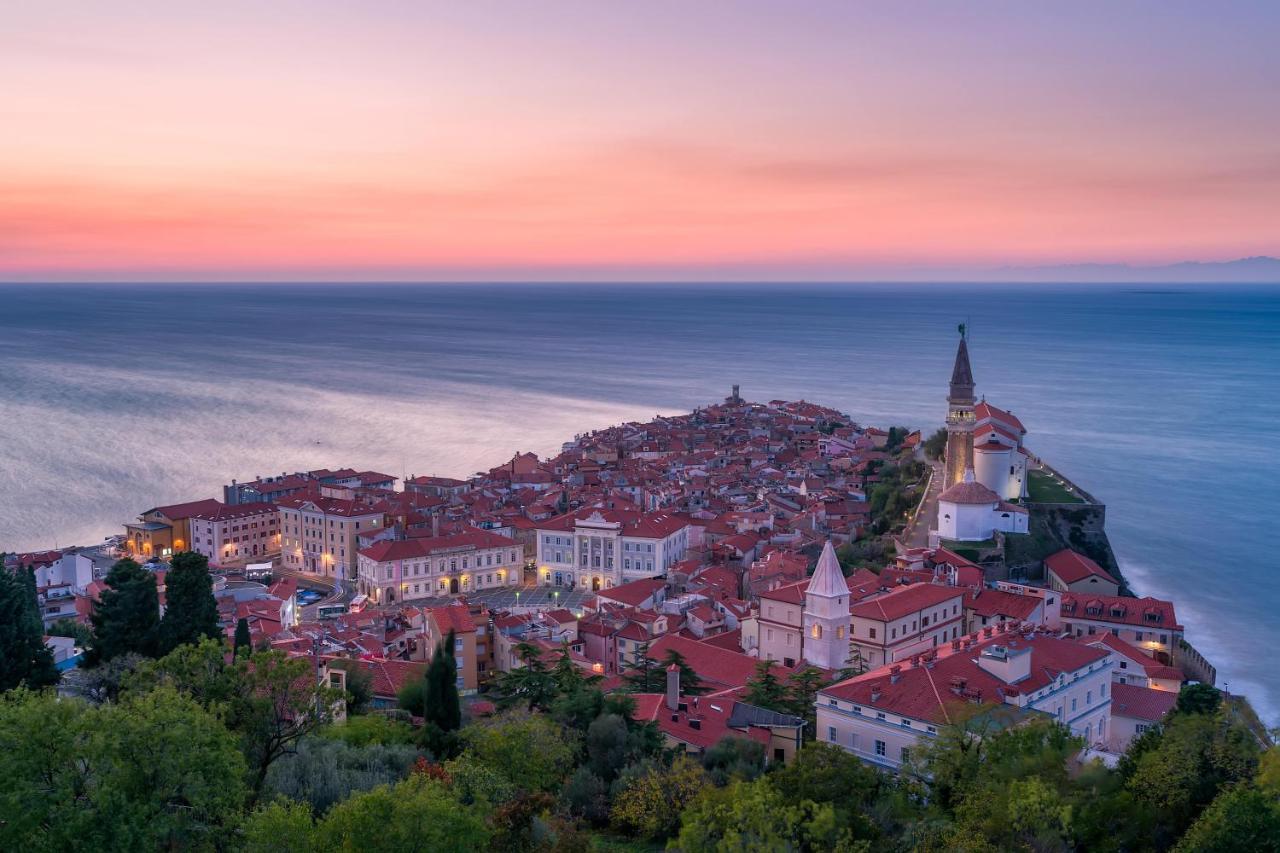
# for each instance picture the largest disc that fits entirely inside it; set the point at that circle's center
(1164, 402)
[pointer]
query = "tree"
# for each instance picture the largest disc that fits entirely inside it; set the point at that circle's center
(609, 746)
(690, 683)
(765, 690)
(24, 657)
(757, 817)
(191, 612)
(269, 699)
(649, 805)
(77, 631)
(643, 675)
(530, 750)
(936, 444)
(530, 684)
(243, 640)
(734, 758)
(1198, 699)
(322, 771)
(802, 696)
(126, 618)
(282, 826)
(152, 771)
(1241, 818)
(440, 697)
(1197, 755)
(584, 795)
(418, 814)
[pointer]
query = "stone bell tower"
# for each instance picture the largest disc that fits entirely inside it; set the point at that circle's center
(960, 417)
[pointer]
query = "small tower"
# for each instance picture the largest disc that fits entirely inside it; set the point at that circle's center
(960, 417)
(826, 614)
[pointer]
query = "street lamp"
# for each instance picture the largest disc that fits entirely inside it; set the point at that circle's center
(517, 598)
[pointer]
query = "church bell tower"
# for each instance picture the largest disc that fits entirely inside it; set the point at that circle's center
(960, 415)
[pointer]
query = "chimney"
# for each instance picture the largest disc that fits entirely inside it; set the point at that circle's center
(895, 672)
(875, 692)
(673, 687)
(955, 645)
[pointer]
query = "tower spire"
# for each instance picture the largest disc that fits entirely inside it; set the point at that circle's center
(962, 373)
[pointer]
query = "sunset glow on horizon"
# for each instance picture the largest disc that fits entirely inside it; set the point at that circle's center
(660, 140)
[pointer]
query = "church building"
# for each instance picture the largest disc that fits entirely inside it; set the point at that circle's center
(985, 462)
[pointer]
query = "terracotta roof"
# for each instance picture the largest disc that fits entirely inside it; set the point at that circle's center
(985, 410)
(1139, 612)
(634, 593)
(455, 617)
(1141, 703)
(1072, 567)
(229, 512)
(718, 668)
(408, 549)
(904, 601)
(924, 693)
(995, 602)
(969, 493)
(186, 510)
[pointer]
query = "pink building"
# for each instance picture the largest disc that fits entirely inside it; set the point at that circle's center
(234, 534)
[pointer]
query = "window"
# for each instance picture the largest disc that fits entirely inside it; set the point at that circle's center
(1088, 697)
(1103, 691)
(906, 754)
(831, 733)
(881, 749)
(1073, 705)
(873, 633)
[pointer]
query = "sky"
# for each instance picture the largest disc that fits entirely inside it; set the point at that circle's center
(658, 140)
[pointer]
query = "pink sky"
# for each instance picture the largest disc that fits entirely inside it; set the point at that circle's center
(656, 140)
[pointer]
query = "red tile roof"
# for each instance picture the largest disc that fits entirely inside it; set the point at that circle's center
(969, 493)
(1139, 612)
(408, 549)
(925, 693)
(1072, 567)
(904, 601)
(186, 510)
(718, 668)
(1141, 703)
(634, 593)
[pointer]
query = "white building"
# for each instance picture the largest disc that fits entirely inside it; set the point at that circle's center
(972, 512)
(602, 548)
(318, 534)
(999, 459)
(397, 570)
(884, 714)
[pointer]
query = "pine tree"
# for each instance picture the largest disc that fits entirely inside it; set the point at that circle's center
(126, 617)
(441, 705)
(243, 640)
(643, 676)
(24, 657)
(765, 690)
(690, 683)
(191, 611)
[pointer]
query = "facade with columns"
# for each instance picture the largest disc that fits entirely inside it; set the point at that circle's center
(599, 548)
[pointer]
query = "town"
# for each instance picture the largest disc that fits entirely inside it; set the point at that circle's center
(766, 573)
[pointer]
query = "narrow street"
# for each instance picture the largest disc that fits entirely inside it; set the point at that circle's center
(917, 535)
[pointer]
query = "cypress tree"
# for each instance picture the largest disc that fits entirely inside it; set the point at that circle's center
(126, 617)
(191, 612)
(243, 639)
(24, 657)
(442, 706)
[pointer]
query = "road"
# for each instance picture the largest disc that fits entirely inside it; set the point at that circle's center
(918, 535)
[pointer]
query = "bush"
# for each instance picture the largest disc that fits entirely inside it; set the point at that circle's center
(324, 771)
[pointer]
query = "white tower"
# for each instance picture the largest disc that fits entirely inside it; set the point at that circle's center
(826, 614)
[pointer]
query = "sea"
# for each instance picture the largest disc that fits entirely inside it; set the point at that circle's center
(1162, 401)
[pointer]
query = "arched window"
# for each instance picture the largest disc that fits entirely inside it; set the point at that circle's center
(817, 631)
